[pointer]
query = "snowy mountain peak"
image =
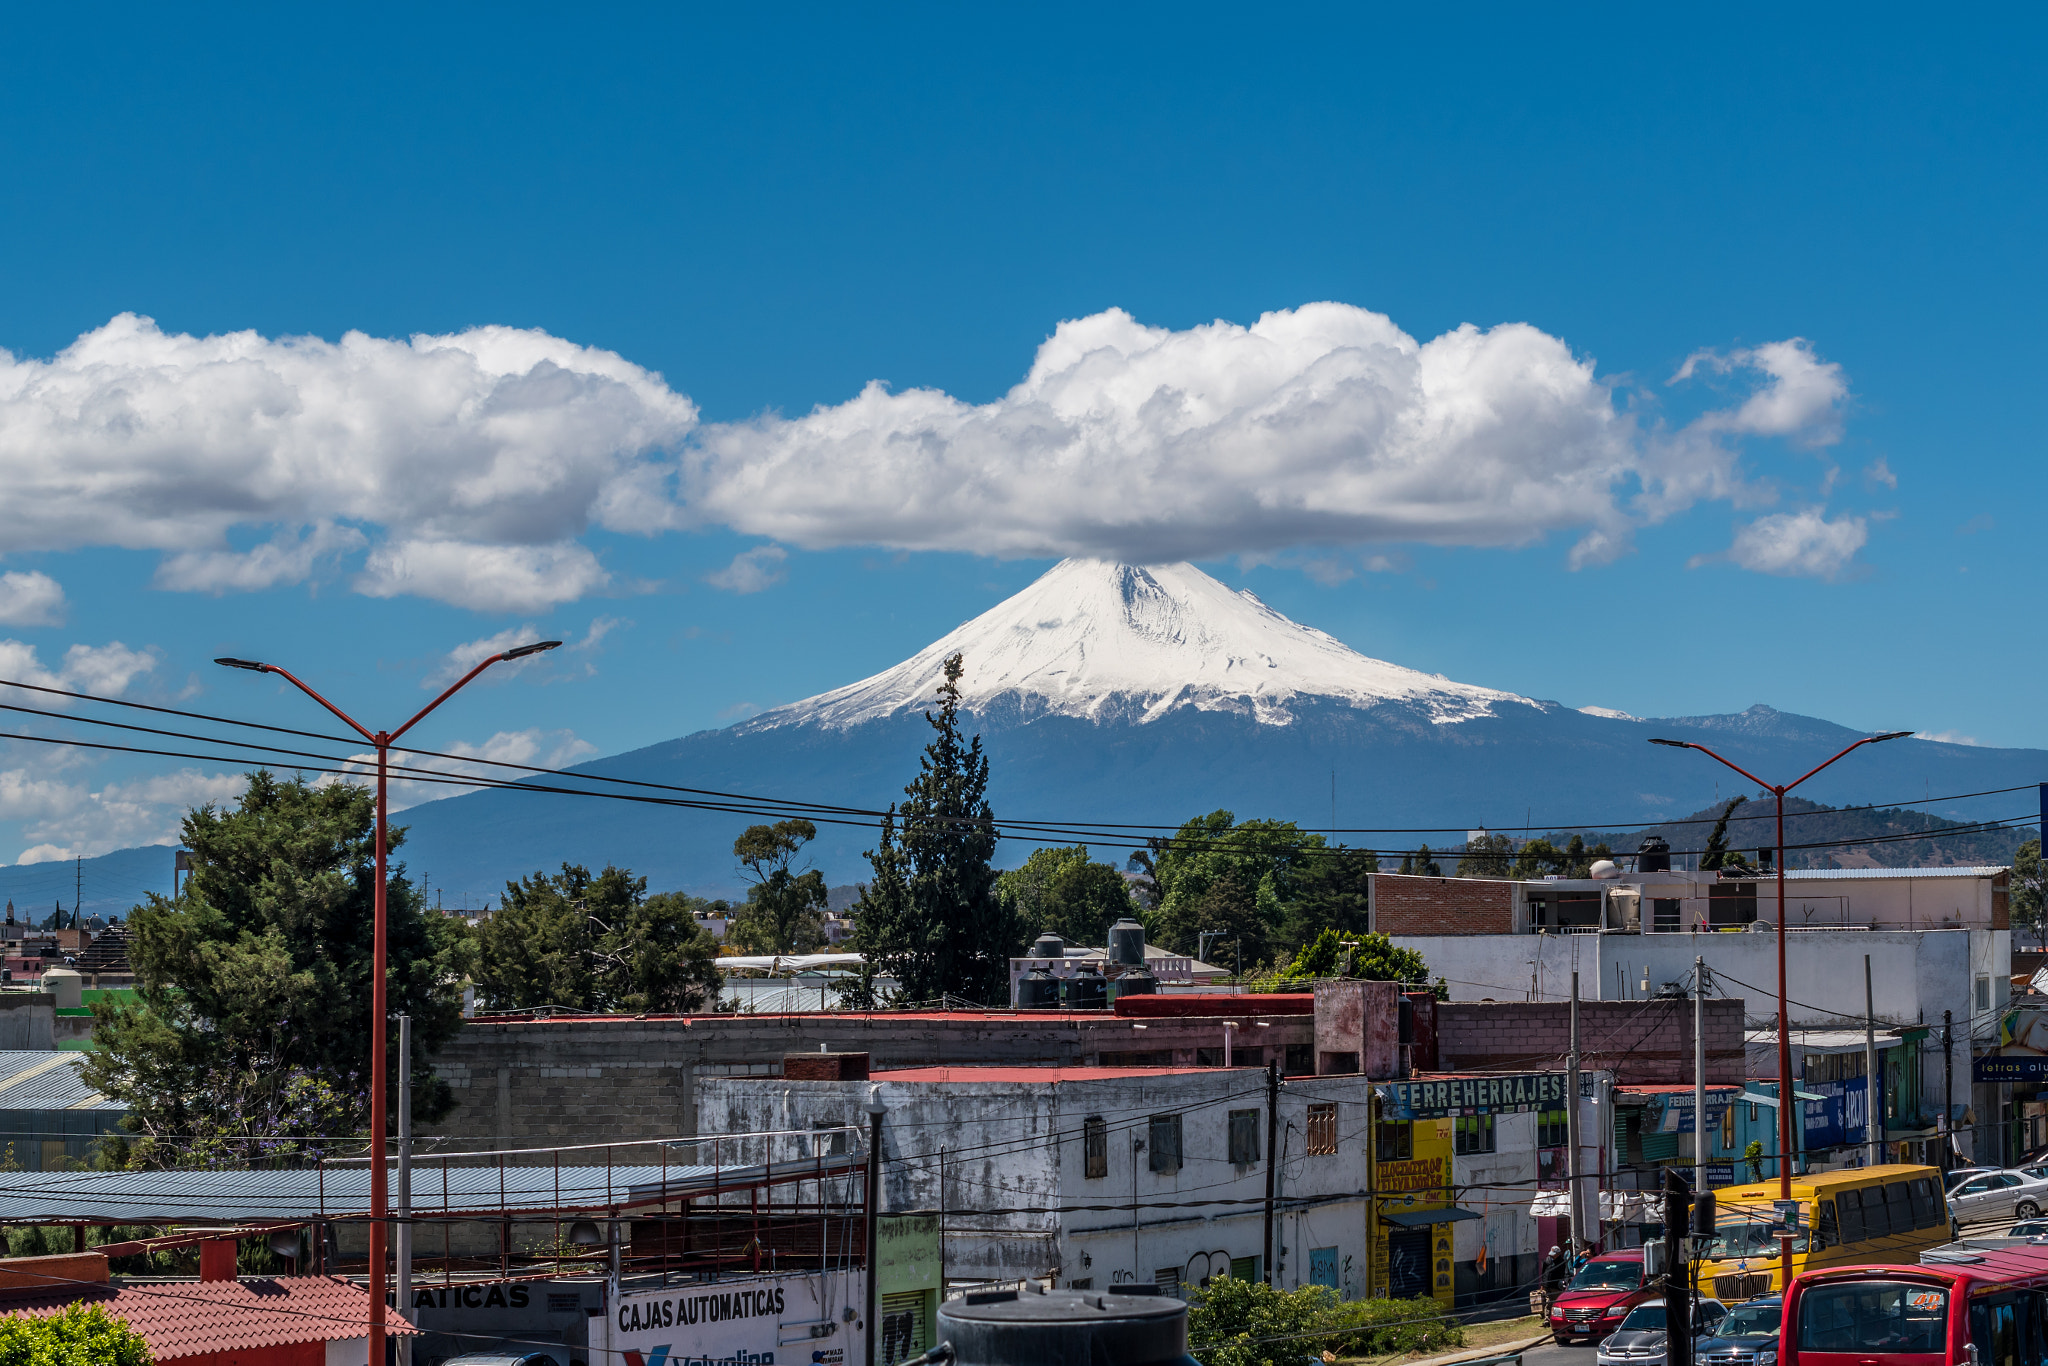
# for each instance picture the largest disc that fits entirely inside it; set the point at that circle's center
(1101, 640)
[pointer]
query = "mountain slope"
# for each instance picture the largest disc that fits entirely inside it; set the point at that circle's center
(1127, 700)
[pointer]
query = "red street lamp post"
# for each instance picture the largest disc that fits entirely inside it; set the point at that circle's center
(1785, 1087)
(380, 1021)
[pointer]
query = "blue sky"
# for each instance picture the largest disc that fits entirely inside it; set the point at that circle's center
(721, 221)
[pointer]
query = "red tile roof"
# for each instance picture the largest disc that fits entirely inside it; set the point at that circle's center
(190, 1318)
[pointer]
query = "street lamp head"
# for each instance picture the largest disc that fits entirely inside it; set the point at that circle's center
(1892, 735)
(248, 664)
(1672, 744)
(524, 650)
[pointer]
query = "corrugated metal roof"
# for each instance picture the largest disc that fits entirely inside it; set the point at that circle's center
(1828, 874)
(231, 1197)
(47, 1081)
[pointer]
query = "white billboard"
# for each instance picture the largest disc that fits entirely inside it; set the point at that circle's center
(801, 1320)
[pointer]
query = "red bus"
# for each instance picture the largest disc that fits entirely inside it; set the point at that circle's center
(1980, 1307)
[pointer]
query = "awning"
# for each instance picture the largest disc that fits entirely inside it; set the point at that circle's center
(1616, 1207)
(1416, 1218)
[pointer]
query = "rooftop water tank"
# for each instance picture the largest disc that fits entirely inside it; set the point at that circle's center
(1086, 989)
(1137, 982)
(1127, 943)
(67, 986)
(1048, 946)
(1066, 1328)
(1038, 990)
(1653, 855)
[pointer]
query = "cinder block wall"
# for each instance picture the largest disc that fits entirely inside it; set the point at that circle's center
(1441, 905)
(1641, 1042)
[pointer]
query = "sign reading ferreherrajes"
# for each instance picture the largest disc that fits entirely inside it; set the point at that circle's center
(1454, 1095)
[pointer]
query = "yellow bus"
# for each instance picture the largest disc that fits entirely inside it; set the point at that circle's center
(1865, 1214)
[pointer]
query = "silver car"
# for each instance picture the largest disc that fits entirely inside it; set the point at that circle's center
(1642, 1338)
(1999, 1195)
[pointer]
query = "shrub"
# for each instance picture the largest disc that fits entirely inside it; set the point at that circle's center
(79, 1335)
(1249, 1323)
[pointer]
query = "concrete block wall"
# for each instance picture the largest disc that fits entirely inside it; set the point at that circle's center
(1642, 1042)
(1441, 905)
(614, 1079)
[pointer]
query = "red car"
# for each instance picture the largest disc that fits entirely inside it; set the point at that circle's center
(1600, 1296)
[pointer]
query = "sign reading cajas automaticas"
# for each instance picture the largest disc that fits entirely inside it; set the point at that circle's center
(750, 1321)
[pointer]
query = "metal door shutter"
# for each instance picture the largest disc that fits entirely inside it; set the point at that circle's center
(906, 1332)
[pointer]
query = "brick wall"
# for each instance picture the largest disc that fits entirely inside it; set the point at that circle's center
(1641, 1042)
(1441, 905)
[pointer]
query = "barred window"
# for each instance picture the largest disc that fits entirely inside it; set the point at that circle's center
(1094, 1147)
(1322, 1129)
(1162, 1143)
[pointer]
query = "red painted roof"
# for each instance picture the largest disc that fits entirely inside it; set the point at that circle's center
(190, 1318)
(1045, 1076)
(1234, 1005)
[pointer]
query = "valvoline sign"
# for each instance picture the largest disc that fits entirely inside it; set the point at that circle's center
(752, 1321)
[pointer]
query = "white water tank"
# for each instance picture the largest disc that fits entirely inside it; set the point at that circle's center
(67, 986)
(1605, 870)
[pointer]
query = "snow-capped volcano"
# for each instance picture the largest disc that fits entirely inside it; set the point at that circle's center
(1107, 641)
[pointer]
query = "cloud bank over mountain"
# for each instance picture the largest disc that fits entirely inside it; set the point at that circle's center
(471, 467)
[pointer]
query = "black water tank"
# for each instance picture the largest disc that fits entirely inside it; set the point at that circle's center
(1066, 1328)
(1127, 943)
(1048, 946)
(1038, 990)
(1086, 990)
(1653, 855)
(1137, 983)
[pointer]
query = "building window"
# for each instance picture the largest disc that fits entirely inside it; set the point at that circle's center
(1731, 903)
(1474, 1134)
(1728, 1127)
(1667, 915)
(1162, 1143)
(1983, 993)
(1322, 1129)
(1244, 1137)
(1553, 1129)
(1167, 1278)
(1394, 1141)
(1094, 1147)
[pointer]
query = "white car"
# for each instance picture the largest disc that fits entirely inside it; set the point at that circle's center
(1999, 1195)
(1642, 1337)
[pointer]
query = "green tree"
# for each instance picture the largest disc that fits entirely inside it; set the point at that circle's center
(1333, 891)
(252, 1029)
(785, 909)
(1234, 1322)
(930, 916)
(2025, 901)
(1233, 879)
(1717, 854)
(1421, 863)
(1060, 890)
(595, 943)
(76, 1335)
(1488, 856)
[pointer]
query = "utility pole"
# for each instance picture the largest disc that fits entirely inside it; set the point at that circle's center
(1571, 1124)
(1677, 1296)
(1272, 1157)
(403, 1241)
(1873, 1109)
(871, 1328)
(1948, 1081)
(1699, 1074)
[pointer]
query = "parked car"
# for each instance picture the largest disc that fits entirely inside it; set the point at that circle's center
(2029, 1228)
(1747, 1337)
(1998, 1195)
(1600, 1296)
(1643, 1336)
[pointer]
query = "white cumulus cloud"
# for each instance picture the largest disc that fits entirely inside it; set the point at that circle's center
(73, 820)
(104, 669)
(1802, 544)
(499, 442)
(752, 570)
(287, 557)
(31, 599)
(534, 746)
(1317, 425)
